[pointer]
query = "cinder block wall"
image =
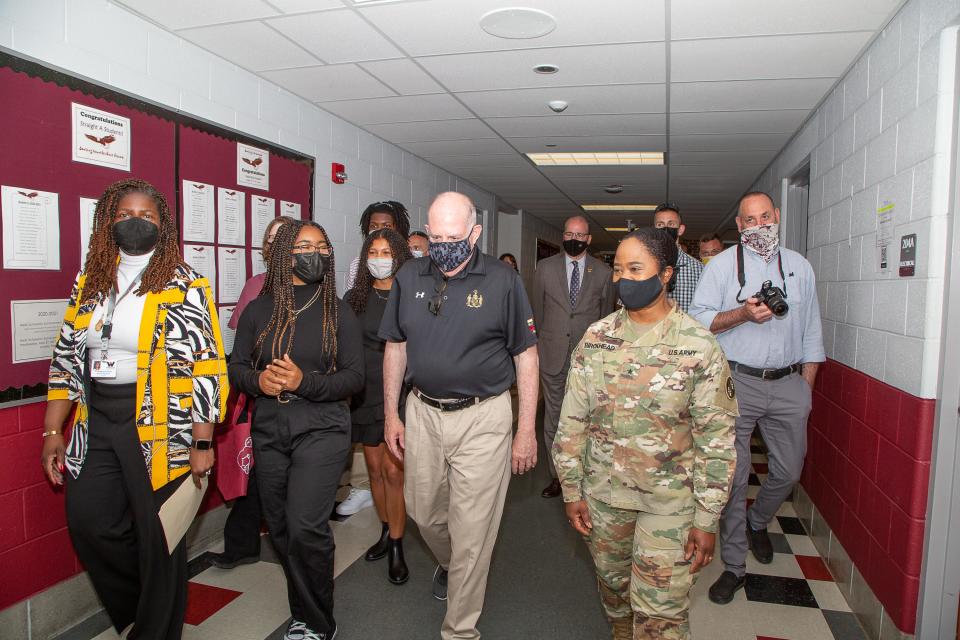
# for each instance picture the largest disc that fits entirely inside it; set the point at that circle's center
(881, 138)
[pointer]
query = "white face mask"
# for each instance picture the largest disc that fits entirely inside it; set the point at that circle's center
(416, 253)
(380, 268)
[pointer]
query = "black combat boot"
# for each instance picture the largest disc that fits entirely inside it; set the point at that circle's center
(379, 549)
(396, 566)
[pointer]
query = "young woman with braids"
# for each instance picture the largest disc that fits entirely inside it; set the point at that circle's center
(382, 254)
(298, 351)
(241, 533)
(140, 356)
(389, 214)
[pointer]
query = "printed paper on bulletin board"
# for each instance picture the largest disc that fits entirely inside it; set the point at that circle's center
(39, 115)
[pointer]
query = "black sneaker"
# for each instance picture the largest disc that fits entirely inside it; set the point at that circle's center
(223, 561)
(310, 634)
(440, 583)
(296, 630)
(726, 586)
(760, 544)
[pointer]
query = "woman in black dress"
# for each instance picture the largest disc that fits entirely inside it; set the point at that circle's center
(298, 351)
(382, 254)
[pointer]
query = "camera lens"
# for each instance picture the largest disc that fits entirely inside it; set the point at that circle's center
(779, 309)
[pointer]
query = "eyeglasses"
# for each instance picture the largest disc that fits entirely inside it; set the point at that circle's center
(436, 301)
(307, 247)
(570, 235)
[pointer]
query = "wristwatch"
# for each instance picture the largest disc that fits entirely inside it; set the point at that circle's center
(202, 445)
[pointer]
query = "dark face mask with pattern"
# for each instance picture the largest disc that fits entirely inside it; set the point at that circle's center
(450, 255)
(310, 267)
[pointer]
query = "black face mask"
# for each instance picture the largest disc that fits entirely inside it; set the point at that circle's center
(574, 247)
(310, 267)
(135, 236)
(673, 232)
(638, 294)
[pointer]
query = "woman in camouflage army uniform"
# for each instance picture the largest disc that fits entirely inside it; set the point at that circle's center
(645, 448)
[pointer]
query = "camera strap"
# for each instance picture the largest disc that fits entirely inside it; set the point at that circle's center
(742, 278)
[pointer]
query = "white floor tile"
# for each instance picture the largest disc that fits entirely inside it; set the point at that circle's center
(828, 595)
(783, 564)
(789, 623)
(801, 545)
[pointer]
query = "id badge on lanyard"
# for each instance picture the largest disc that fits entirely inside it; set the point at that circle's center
(103, 367)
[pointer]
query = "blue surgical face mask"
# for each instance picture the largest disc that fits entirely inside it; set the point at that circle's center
(450, 255)
(638, 294)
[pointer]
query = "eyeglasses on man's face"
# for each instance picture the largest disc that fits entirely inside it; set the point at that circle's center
(434, 304)
(322, 248)
(570, 235)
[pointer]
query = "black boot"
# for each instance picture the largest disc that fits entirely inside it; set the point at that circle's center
(379, 549)
(397, 567)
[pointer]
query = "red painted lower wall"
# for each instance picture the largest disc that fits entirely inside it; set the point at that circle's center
(35, 548)
(867, 471)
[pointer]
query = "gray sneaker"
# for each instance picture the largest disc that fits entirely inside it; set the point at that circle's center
(440, 583)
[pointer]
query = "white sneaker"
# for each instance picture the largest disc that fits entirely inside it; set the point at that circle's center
(357, 500)
(313, 635)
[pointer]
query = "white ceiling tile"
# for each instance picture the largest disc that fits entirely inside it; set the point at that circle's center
(446, 26)
(804, 56)
(334, 82)
(728, 142)
(596, 65)
(699, 19)
(611, 99)
(785, 121)
(560, 125)
(181, 14)
(742, 156)
(252, 45)
(303, 6)
(403, 76)
(589, 143)
(436, 130)
(798, 93)
(440, 106)
(336, 36)
(483, 147)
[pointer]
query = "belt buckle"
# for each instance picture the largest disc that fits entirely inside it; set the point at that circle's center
(764, 376)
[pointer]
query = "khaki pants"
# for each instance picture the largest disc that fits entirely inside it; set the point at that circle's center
(457, 468)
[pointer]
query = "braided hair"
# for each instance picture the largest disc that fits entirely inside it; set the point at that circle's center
(357, 297)
(101, 264)
(279, 284)
(396, 210)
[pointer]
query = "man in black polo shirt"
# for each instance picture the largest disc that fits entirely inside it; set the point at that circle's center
(459, 324)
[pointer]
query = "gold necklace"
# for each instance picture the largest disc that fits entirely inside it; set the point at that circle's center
(297, 312)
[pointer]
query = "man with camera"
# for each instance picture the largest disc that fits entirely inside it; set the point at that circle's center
(760, 299)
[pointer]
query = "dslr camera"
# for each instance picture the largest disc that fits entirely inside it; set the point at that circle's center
(774, 298)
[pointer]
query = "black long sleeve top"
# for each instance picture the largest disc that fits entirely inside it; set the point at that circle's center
(323, 396)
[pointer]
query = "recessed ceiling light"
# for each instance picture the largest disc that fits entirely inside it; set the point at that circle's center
(518, 23)
(618, 207)
(604, 158)
(546, 68)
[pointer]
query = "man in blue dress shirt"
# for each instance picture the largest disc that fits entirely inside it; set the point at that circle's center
(774, 361)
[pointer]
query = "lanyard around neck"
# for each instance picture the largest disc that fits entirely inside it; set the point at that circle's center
(112, 302)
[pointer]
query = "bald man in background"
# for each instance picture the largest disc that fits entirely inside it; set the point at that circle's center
(571, 291)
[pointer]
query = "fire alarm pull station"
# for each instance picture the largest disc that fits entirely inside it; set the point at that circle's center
(338, 173)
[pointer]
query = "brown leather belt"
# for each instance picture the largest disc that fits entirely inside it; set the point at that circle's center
(765, 374)
(448, 405)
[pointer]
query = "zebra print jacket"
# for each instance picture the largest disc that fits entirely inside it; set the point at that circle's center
(181, 373)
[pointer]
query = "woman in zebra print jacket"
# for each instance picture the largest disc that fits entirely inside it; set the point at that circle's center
(141, 358)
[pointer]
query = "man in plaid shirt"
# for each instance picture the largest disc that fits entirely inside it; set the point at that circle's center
(667, 216)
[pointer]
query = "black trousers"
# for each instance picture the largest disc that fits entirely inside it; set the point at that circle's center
(112, 518)
(241, 533)
(298, 474)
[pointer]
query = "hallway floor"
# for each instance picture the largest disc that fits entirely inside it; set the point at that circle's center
(541, 586)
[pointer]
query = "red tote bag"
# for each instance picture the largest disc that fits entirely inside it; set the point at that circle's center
(235, 450)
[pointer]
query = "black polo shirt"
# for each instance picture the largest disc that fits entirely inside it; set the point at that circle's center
(467, 350)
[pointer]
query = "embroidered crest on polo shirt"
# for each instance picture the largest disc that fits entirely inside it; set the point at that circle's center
(475, 300)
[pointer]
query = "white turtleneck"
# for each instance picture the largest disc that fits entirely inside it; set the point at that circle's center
(126, 322)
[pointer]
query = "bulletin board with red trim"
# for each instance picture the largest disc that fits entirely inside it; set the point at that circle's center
(166, 148)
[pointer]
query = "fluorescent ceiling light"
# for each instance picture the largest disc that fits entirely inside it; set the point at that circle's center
(618, 207)
(624, 229)
(559, 159)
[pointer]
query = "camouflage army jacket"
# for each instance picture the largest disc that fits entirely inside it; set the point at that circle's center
(647, 421)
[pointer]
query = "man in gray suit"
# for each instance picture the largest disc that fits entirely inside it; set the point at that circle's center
(571, 291)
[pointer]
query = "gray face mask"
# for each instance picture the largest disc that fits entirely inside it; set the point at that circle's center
(380, 268)
(416, 253)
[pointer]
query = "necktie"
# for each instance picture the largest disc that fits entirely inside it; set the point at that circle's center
(574, 284)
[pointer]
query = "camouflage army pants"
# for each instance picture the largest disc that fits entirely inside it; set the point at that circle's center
(641, 570)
